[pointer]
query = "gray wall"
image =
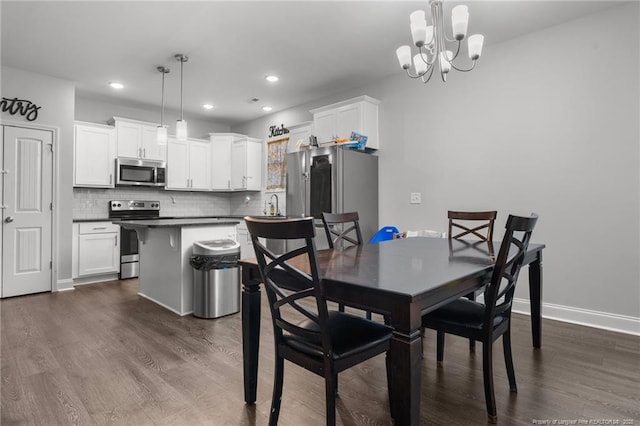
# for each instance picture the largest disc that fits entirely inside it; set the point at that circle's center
(99, 111)
(56, 97)
(548, 122)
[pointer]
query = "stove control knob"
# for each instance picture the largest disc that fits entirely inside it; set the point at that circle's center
(119, 205)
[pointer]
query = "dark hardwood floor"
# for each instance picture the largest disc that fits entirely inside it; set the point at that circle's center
(103, 355)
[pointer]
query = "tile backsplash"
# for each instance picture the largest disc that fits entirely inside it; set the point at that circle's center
(255, 203)
(93, 203)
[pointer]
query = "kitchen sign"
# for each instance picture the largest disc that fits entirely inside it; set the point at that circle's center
(277, 131)
(23, 107)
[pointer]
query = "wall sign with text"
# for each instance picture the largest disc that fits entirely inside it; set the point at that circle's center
(277, 131)
(23, 107)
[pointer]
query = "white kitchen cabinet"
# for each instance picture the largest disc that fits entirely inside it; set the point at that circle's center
(96, 249)
(298, 134)
(353, 115)
(94, 153)
(138, 139)
(189, 165)
(244, 239)
(246, 164)
(221, 159)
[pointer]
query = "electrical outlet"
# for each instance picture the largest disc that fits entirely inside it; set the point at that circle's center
(416, 198)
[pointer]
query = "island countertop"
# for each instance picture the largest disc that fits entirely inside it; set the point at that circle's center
(177, 222)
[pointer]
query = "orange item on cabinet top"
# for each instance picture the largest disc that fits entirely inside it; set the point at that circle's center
(342, 140)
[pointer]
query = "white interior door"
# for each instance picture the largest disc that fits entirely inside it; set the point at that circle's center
(26, 216)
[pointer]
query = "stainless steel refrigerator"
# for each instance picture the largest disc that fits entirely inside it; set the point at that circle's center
(335, 180)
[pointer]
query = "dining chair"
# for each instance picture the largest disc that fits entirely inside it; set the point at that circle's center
(465, 223)
(306, 333)
(460, 221)
(343, 230)
(486, 322)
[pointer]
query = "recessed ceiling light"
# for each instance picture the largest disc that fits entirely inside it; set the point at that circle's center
(115, 85)
(207, 106)
(266, 108)
(272, 78)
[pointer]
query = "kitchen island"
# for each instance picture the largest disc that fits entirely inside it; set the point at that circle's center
(165, 248)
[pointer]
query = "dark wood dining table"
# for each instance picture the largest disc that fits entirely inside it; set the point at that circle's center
(400, 279)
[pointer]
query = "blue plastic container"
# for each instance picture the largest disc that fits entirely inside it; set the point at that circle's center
(385, 233)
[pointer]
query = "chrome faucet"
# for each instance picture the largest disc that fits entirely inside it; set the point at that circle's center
(275, 211)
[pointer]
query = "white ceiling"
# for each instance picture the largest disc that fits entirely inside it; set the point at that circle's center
(318, 48)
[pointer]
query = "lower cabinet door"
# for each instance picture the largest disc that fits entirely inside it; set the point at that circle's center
(98, 254)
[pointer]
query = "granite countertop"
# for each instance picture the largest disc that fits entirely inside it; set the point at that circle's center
(177, 222)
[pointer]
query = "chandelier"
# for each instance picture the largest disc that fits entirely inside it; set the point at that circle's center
(433, 44)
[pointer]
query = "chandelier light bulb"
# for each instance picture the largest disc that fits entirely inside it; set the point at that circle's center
(474, 47)
(460, 21)
(420, 63)
(404, 56)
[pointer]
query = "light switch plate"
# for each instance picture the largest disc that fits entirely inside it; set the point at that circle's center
(416, 198)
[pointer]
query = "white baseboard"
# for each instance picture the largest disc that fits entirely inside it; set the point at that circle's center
(604, 320)
(64, 285)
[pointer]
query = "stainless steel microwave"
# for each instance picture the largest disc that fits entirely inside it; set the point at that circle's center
(135, 172)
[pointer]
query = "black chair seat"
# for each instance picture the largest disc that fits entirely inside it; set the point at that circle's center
(349, 334)
(460, 313)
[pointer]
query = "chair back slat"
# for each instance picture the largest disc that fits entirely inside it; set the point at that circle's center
(294, 295)
(500, 292)
(459, 221)
(342, 229)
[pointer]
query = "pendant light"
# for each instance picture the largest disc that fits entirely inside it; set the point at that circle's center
(162, 129)
(181, 125)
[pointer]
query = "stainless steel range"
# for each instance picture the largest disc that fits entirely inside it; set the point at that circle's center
(131, 210)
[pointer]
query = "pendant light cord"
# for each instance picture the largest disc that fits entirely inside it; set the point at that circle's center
(182, 59)
(162, 100)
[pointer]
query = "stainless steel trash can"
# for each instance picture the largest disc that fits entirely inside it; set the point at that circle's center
(216, 278)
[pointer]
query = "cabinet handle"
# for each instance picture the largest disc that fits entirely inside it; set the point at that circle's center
(110, 179)
(187, 182)
(116, 243)
(144, 152)
(139, 152)
(99, 227)
(228, 184)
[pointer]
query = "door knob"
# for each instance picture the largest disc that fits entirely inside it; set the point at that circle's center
(9, 219)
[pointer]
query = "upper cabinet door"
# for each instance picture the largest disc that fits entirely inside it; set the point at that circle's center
(221, 163)
(199, 165)
(94, 156)
(151, 149)
(349, 119)
(239, 164)
(128, 137)
(324, 126)
(254, 165)
(178, 164)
